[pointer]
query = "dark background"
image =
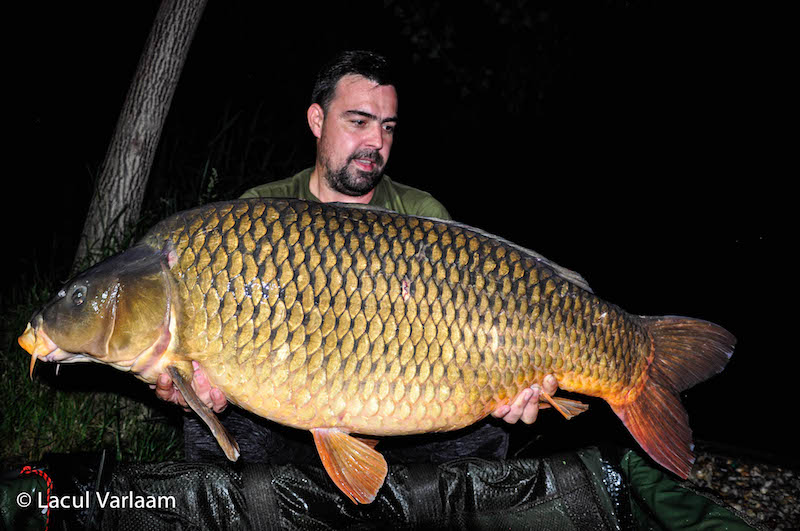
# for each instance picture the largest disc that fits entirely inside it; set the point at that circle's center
(638, 143)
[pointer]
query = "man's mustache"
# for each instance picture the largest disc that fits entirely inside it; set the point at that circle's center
(370, 155)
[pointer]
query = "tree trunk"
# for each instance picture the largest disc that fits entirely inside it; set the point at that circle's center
(119, 191)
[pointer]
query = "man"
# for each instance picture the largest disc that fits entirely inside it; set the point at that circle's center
(353, 116)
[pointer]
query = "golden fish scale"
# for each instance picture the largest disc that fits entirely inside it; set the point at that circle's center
(320, 316)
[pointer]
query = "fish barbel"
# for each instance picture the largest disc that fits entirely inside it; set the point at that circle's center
(347, 320)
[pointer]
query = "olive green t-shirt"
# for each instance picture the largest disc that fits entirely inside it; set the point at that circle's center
(388, 194)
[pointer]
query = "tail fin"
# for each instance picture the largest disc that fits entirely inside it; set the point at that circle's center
(685, 352)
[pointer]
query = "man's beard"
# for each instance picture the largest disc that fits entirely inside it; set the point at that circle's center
(355, 182)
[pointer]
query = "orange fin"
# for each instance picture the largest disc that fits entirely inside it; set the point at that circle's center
(684, 352)
(372, 443)
(565, 406)
(352, 463)
(223, 437)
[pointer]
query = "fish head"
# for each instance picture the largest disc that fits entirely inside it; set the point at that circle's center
(114, 313)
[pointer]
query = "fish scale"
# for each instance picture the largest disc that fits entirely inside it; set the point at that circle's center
(346, 320)
(332, 307)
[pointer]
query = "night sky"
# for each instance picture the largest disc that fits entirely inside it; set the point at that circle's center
(634, 142)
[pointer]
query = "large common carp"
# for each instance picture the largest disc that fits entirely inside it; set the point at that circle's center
(344, 320)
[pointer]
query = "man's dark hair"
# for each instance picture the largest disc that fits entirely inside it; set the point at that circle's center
(371, 65)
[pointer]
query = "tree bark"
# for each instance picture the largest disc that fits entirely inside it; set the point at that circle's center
(119, 191)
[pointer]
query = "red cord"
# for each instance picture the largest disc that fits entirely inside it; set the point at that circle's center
(41, 473)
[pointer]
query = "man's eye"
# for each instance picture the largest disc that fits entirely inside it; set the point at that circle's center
(358, 122)
(389, 128)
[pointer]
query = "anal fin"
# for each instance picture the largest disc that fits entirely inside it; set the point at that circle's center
(565, 406)
(225, 440)
(352, 463)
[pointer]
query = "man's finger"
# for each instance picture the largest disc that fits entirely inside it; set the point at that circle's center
(531, 408)
(219, 400)
(164, 386)
(205, 391)
(501, 411)
(519, 405)
(550, 384)
(201, 387)
(167, 392)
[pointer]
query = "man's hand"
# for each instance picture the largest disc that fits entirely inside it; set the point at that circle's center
(526, 404)
(210, 396)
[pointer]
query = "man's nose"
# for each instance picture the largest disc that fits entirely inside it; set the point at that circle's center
(375, 136)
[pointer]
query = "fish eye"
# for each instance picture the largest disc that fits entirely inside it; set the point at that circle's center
(78, 295)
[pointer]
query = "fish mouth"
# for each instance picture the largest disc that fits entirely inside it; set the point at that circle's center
(40, 346)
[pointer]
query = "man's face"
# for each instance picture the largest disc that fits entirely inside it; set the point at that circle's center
(356, 134)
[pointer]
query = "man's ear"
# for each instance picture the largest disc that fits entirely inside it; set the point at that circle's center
(315, 116)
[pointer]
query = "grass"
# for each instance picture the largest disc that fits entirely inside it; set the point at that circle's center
(85, 408)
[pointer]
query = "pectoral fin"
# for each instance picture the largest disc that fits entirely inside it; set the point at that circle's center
(565, 406)
(225, 440)
(352, 463)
